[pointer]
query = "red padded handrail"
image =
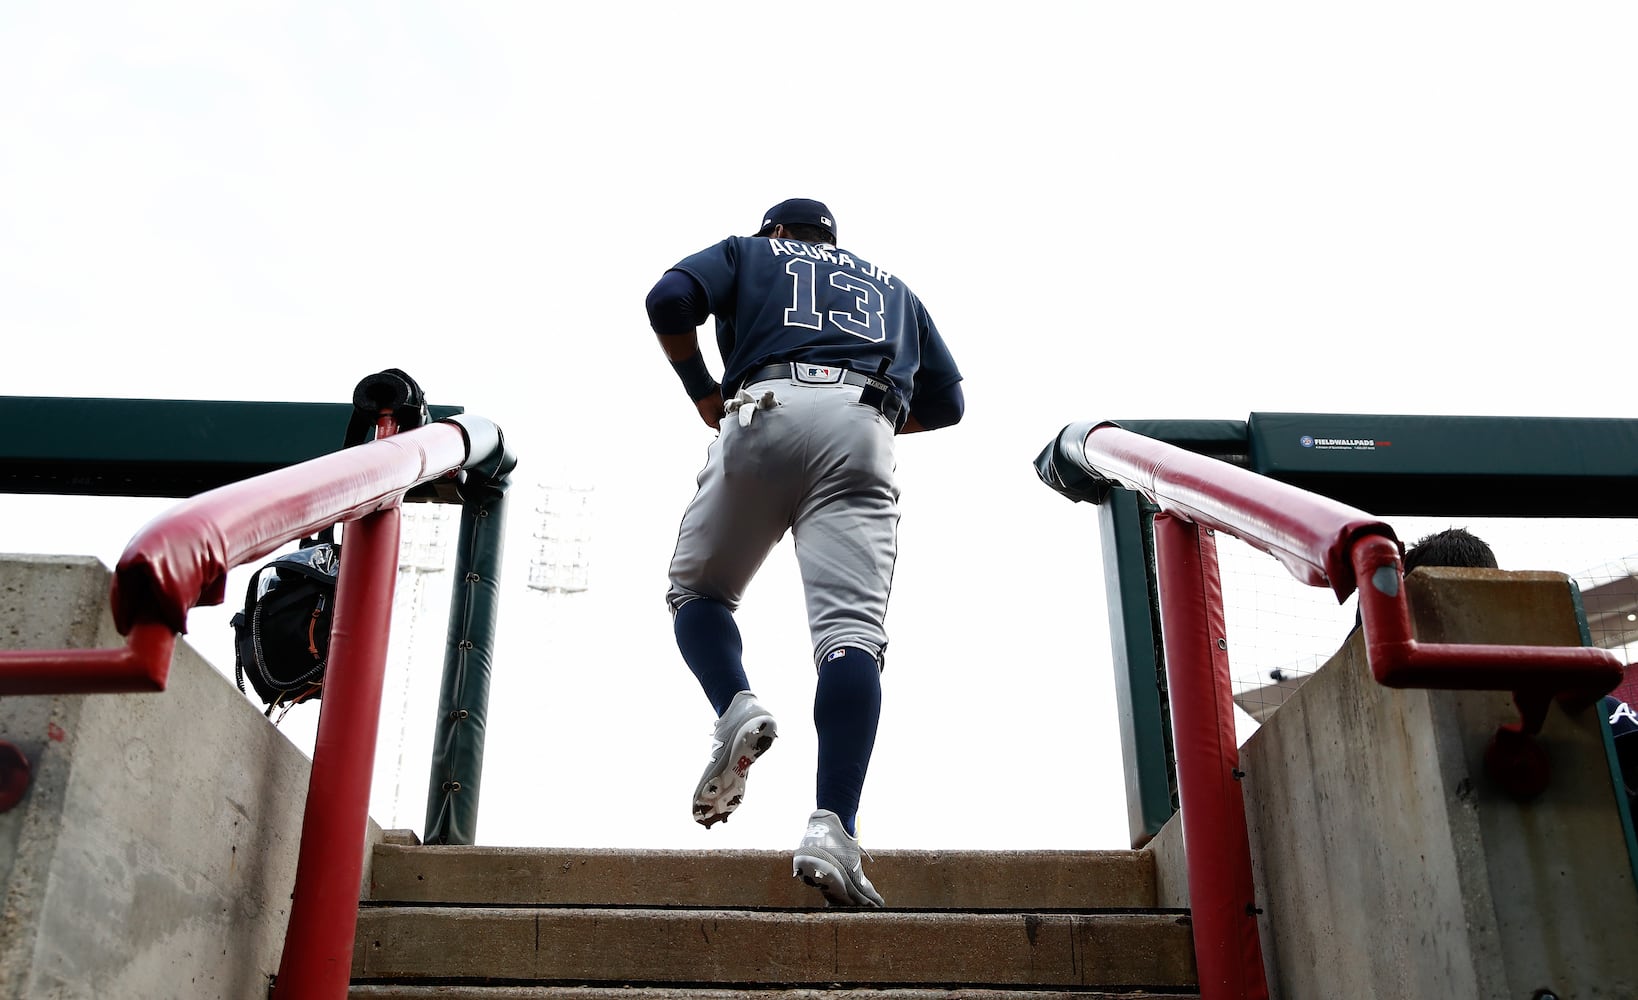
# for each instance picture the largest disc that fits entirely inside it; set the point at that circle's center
(1399, 661)
(181, 559)
(1217, 844)
(142, 664)
(1322, 543)
(1326, 543)
(1309, 534)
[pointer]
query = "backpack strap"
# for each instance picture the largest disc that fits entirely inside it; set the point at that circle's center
(242, 640)
(325, 537)
(300, 567)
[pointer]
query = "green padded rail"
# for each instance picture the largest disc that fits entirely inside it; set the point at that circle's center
(1478, 466)
(163, 447)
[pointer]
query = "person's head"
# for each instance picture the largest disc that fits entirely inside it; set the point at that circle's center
(800, 219)
(1451, 547)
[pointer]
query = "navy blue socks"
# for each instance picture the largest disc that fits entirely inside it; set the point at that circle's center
(709, 641)
(846, 709)
(847, 704)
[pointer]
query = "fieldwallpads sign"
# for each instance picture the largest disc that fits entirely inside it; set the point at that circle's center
(1342, 443)
(1476, 466)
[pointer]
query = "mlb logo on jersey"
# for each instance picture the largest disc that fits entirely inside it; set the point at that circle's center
(821, 374)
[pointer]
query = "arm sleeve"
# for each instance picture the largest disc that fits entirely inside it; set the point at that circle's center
(939, 409)
(937, 400)
(676, 304)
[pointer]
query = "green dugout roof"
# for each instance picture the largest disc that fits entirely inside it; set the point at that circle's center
(162, 447)
(1430, 465)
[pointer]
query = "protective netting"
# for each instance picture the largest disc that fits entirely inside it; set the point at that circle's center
(1281, 631)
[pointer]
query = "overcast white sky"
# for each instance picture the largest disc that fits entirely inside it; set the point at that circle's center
(1112, 211)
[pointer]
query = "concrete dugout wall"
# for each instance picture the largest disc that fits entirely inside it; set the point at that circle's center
(1388, 865)
(154, 855)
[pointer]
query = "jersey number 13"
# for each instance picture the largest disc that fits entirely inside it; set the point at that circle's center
(852, 304)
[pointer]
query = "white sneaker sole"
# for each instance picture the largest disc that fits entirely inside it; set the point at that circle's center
(822, 871)
(723, 787)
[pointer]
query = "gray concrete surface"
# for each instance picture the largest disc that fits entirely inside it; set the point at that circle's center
(154, 855)
(1171, 865)
(488, 992)
(534, 918)
(992, 880)
(813, 947)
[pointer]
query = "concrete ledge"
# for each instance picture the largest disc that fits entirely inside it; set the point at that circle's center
(154, 854)
(1386, 859)
(1171, 865)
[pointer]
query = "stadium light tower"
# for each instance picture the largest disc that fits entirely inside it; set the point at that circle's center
(558, 562)
(426, 547)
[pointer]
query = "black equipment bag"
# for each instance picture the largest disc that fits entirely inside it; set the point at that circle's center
(283, 634)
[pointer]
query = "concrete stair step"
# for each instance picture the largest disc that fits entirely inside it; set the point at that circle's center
(682, 993)
(747, 948)
(957, 880)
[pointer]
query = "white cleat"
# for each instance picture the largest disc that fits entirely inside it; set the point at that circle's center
(743, 733)
(828, 860)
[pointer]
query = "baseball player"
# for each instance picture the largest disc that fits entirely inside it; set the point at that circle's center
(1624, 731)
(826, 357)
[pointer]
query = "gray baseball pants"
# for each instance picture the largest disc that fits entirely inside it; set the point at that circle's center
(819, 464)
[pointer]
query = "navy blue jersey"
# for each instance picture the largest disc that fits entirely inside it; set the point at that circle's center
(786, 300)
(1624, 729)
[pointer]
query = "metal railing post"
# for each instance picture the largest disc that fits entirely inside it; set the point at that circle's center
(318, 945)
(1216, 845)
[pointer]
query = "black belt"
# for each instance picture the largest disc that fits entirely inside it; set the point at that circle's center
(878, 393)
